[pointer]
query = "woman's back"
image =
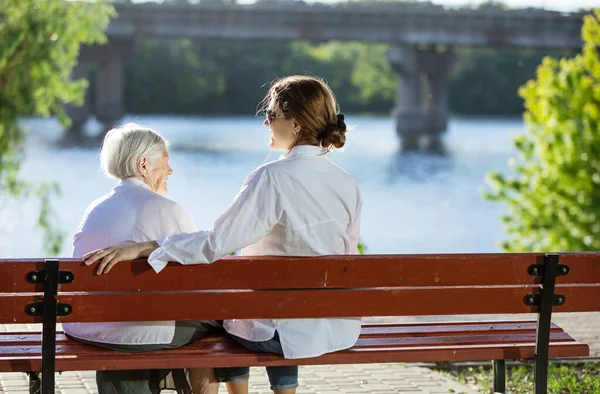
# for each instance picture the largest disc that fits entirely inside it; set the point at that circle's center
(318, 206)
(130, 213)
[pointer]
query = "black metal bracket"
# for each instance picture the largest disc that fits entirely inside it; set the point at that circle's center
(40, 276)
(536, 300)
(37, 309)
(540, 270)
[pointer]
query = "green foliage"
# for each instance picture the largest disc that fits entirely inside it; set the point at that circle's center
(362, 248)
(224, 77)
(562, 379)
(486, 81)
(40, 44)
(553, 195)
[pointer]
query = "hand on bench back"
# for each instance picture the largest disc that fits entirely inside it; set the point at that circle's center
(110, 256)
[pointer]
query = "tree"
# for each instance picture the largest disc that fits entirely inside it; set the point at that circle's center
(486, 81)
(40, 44)
(553, 195)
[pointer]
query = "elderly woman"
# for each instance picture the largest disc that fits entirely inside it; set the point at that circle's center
(136, 211)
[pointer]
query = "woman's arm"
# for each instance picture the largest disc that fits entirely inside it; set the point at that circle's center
(251, 215)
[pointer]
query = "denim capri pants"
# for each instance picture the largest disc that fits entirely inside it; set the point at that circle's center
(281, 378)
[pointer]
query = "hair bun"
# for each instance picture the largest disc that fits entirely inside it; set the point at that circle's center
(341, 125)
(335, 134)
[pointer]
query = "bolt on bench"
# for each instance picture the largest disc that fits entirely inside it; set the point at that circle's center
(65, 290)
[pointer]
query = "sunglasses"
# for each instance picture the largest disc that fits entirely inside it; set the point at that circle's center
(271, 116)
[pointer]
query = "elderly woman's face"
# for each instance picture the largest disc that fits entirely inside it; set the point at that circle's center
(158, 172)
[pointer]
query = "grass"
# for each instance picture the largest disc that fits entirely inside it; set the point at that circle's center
(562, 378)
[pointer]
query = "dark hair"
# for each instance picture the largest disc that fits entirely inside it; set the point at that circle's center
(312, 104)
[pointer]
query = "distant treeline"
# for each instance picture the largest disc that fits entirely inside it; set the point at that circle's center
(214, 77)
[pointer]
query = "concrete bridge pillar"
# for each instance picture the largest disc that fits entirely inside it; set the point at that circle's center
(109, 100)
(110, 92)
(110, 103)
(421, 104)
(78, 115)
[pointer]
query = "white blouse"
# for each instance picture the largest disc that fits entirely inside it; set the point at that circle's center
(299, 205)
(132, 212)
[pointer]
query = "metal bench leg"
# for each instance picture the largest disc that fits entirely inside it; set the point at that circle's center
(35, 383)
(49, 326)
(49, 278)
(499, 368)
(542, 343)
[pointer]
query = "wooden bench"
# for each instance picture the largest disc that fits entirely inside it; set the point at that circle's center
(51, 291)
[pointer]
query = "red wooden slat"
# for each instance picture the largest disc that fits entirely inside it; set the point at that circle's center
(579, 298)
(31, 338)
(584, 268)
(25, 337)
(173, 359)
(455, 340)
(496, 327)
(265, 272)
(297, 304)
(276, 272)
(222, 343)
(277, 304)
(367, 331)
(399, 346)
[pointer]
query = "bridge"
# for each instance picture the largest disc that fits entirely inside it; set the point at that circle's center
(422, 38)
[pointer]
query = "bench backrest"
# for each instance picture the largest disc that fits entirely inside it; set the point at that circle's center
(290, 287)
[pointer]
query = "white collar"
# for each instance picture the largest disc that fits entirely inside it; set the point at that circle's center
(306, 150)
(134, 182)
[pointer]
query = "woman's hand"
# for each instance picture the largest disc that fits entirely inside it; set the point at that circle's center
(110, 256)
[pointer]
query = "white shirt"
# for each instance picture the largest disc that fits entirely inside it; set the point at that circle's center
(299, 205)
(132, 212)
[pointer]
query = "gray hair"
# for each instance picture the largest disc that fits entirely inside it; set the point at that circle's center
(124, 145)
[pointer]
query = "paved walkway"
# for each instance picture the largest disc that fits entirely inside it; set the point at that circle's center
(340, 379)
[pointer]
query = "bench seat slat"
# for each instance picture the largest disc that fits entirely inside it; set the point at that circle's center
(457, 339)
(353, 356)
(71, 347)
(369, 330)
(20, 352)
(424, 329)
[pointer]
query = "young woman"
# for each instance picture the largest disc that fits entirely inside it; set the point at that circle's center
(299, 205)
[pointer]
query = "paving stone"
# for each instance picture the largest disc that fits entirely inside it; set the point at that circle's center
(13, 383)
(14, 391)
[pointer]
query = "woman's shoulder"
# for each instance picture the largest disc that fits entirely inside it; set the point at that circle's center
(168, 213)
(144, 199)
(263, 171)
(162, 203)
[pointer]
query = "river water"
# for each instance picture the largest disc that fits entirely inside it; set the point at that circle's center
(413, 203)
